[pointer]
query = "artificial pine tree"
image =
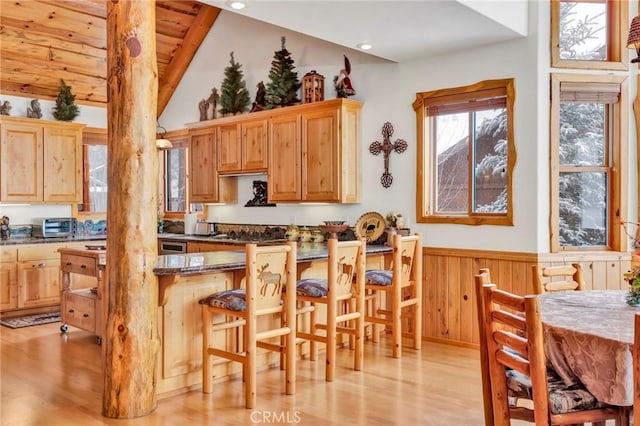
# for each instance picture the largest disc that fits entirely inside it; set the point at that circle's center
(235, 96)
(65, 109)
(283, 87)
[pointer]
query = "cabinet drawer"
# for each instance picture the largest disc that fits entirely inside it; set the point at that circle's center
(78, 264)
(80, 310)
(38, 251)
(8, 254)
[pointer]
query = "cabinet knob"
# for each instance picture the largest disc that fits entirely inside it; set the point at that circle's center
(42, 265)
(86, 315)
(68, 263)
(83, 266)
(71, 311)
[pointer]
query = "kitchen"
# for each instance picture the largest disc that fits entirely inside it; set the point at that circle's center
(511, 247)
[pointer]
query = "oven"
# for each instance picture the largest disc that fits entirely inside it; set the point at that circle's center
(172, 247)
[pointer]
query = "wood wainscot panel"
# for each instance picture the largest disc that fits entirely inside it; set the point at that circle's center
(449, 304)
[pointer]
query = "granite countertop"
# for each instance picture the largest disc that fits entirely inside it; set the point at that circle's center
(30, 240)
(218, 239)
(196, 263)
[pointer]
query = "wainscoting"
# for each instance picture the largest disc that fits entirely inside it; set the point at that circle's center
(450, 314)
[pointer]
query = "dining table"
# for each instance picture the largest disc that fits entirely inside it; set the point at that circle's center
(589, 338)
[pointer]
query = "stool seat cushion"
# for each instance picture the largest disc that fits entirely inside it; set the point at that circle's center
(378, 277)
(312, 287)
(233, 300)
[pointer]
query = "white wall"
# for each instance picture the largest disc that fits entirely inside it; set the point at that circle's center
(387, 90)
(89, 115)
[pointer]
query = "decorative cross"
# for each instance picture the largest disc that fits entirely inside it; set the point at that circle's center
(386, 147)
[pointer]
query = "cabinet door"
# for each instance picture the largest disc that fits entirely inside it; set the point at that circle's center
(62, 167)
(8, 286)
(254, 146)
(38, 283)
(229, 150)
(21, 162)
(203, 177)
(284, 158)
(320, 163)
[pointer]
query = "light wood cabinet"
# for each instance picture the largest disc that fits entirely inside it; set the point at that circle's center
(8, 278)
(242, 147)
(30, 275)
(314, 153)
(205, 185)
(310, 152)
(40, 161)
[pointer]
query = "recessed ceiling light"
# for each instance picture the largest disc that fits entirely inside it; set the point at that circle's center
(365, 46)
(237, 5)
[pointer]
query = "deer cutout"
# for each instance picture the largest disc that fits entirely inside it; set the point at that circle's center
(269, 278)
(406, 263)
(344, 270)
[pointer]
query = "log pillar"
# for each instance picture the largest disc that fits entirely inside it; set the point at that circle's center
(131, 339)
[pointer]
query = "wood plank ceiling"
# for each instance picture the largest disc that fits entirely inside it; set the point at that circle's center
(42, 42)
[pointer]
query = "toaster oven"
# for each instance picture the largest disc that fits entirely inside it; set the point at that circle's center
(53, 227)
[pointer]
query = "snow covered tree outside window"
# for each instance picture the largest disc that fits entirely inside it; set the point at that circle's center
(96, 195)
(589, 34)
(175, 179)
(469, 153)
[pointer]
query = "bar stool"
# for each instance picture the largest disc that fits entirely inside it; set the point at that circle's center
(402, 288)
(268, 268)
(344, 301)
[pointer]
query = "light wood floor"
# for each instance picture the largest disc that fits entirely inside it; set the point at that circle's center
(52, 380)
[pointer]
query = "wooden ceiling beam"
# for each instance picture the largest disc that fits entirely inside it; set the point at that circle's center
(182, 58)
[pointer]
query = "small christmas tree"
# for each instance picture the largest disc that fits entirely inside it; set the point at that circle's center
(65, 109)
(283, 87)
(235, 96)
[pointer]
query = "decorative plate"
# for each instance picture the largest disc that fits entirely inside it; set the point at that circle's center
(370, 225)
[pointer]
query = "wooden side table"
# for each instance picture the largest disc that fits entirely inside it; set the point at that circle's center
(83, 308)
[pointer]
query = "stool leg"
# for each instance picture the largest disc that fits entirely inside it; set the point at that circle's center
(313, 347)
(331, 340)
(207, 385)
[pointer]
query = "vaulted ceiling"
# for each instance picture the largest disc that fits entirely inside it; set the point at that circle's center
(42, 42)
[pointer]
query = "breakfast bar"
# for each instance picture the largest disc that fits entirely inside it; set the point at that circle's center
(184, 279)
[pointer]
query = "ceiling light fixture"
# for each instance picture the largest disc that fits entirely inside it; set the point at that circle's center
(236, 4)
(161, 142)
(633, 41)
(365, 46)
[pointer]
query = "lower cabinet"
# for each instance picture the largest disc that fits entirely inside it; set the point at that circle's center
(30, 276)
(81, 310)
(200, 247)
(38, 283)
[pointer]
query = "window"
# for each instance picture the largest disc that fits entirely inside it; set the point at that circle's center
(466, 154)
(587, 135)
(173, 184)
(589, 34)
(94, 188)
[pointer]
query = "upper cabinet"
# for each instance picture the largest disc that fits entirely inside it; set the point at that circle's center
(205, 186)
(242, 147)
(40, 161)
(314, 153)
(310, 152)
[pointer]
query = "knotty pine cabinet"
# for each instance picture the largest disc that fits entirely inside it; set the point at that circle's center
(205, 184)
(314, 153)
(30, 275)
(242, 147)
(40, 161)
(201, 247)
(310, 152)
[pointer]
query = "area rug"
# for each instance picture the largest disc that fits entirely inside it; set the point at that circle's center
(28, 321)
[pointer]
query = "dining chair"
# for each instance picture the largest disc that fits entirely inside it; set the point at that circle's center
(268, 270)
(557, 278)
(484, 277)
(402, 287)
(343, 299)
(517, 368)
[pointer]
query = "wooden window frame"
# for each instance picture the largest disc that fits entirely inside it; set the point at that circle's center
(90, 136)
(179, 139)
(618, 26)
(425, 206)
(618, 153)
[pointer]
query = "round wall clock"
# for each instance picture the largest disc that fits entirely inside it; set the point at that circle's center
(370, 225)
